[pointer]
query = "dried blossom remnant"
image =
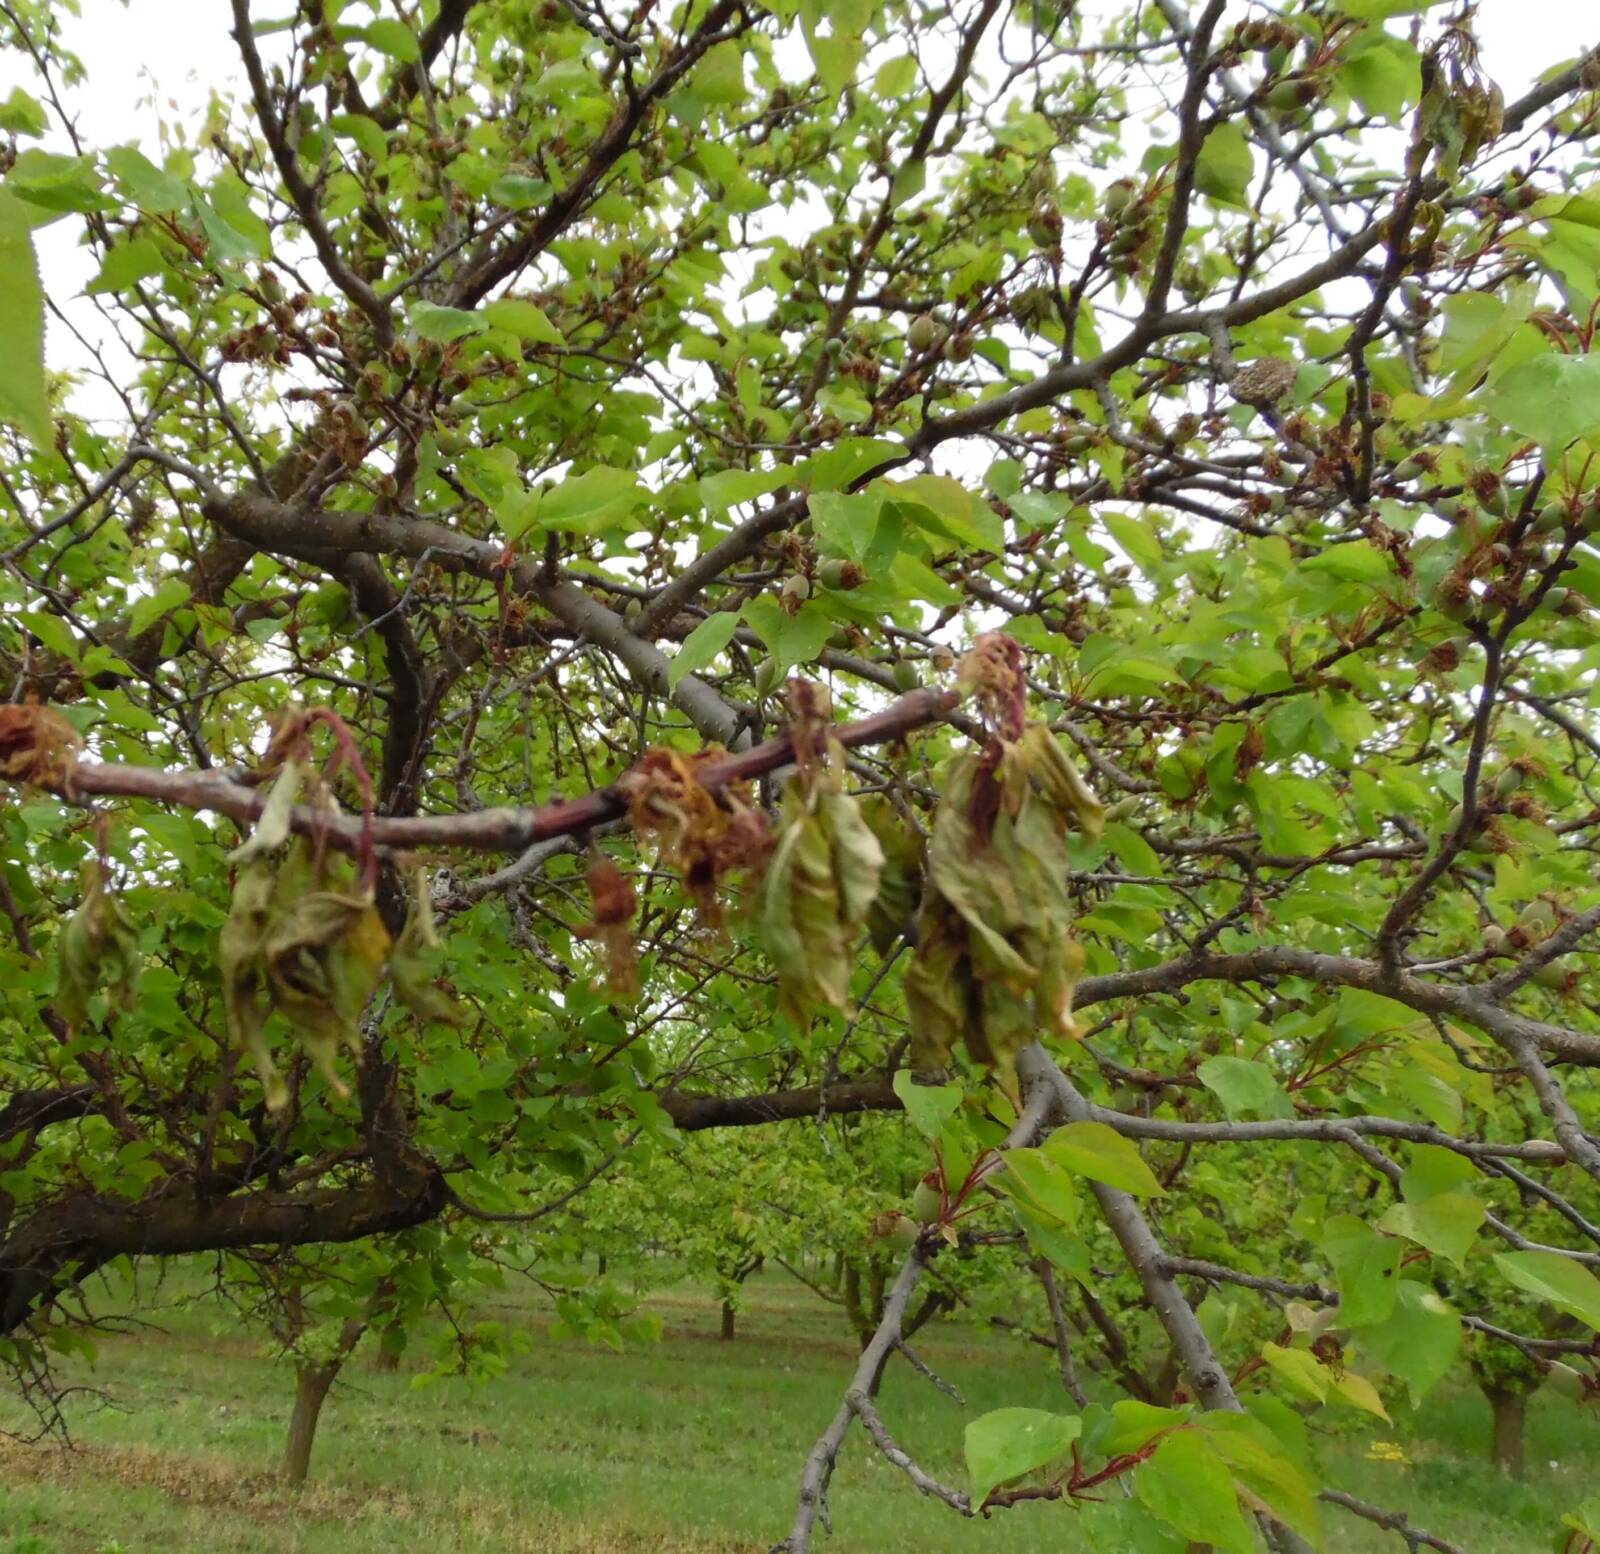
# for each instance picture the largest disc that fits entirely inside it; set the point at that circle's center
(704, 838)
(38, 746)
(994, 673)
(615, 902)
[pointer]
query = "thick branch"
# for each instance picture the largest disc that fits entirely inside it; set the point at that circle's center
(486, 830)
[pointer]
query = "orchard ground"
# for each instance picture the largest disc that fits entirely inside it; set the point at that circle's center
(687, 1446)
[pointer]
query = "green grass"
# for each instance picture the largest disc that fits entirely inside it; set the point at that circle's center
(689, 1446)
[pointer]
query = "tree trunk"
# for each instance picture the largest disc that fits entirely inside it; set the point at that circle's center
(312, 1383)
(727, 1321)
(1508, 1445)
(600, 1265)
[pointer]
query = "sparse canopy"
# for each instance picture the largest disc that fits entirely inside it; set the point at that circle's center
(583, 571)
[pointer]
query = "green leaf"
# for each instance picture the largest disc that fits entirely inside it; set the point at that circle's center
(433, 322)
(1188, 1486)
(53, 632)
(524, 319)
(945, 508)
(1131, 848)
(21, 114)
(896, 77)
(1096, 1150)
(1006, 1444)
(1446, 1223)
(836, 59)
(1567, 1285)
(1385, 77)
(173, 592)
(132, 260)
(728, 487)
(1137, 541)
(719, 77)
(1299, 1370)
(394, 39)
(701, 646)
(228, 243)
(1039, 1184)
(145, 184)
(844, 462)
(1418, 1341)
(1225, 165)
(598, 499)
(1358, 1392)
(24, 401)
(1365, 1267)
(1380, 10)
(846, 524)
(1243, 1087)
(791, 639)
(367, 133)
(1553, 399)
(516, 191)
(1266, 1466)
(929, 1107)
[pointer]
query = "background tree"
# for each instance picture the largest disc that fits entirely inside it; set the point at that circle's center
(483, 415)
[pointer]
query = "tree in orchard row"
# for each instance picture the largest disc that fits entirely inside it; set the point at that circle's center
(489, 408)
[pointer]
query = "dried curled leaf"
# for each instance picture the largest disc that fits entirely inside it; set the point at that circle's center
(818, 889)
(995, 963)
(272, 829)
(246, 991)
(894, 909)
(37, 745)
(99, 950)
(325, 955)
(614, 905)
(304, 941)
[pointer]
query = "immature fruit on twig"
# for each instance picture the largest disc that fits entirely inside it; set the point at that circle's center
(1453, 598)
(1566, 1381)
(1496, 941)
(1538, 919)
(905, 675)
(924, 333)
(837, 573)
(926, 1202)
(795, 593)
(1118, 197)
(765, 676)
(1044, 225)
(1553, 976)
(1507, 782)
(1124, 808)
(899, 1230)
(1550, 517)
(633, 614)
